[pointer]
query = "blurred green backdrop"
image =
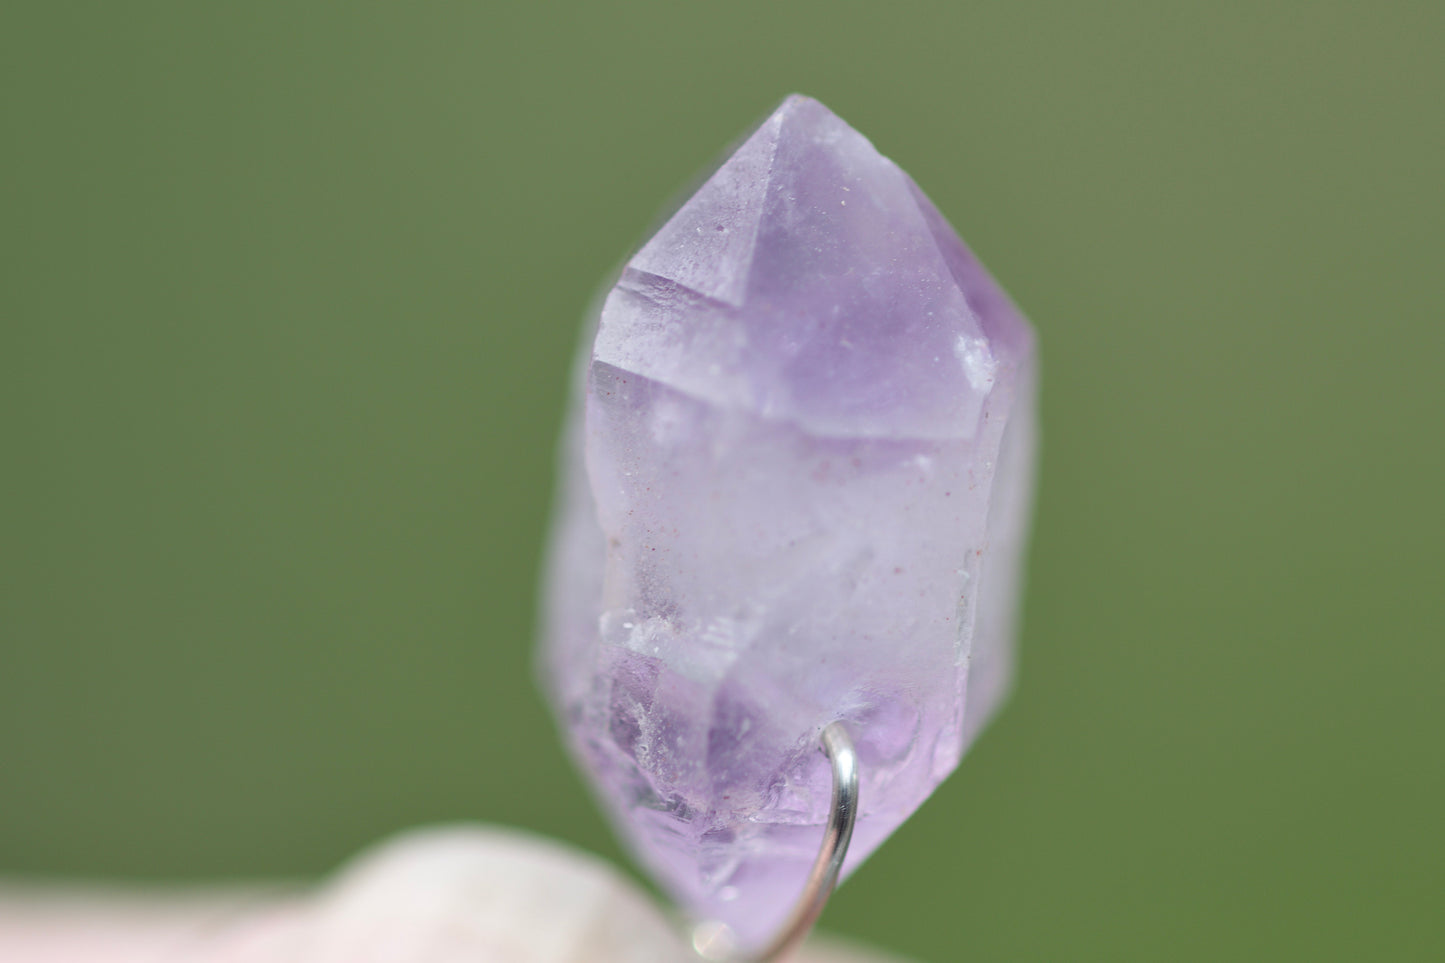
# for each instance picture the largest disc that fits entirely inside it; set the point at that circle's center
(289, 293)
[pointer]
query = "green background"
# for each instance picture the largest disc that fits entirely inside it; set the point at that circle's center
(289, 292)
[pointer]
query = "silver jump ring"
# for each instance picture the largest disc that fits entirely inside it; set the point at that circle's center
(824, 874)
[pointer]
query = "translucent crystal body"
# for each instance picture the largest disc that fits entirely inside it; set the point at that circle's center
(796, 488)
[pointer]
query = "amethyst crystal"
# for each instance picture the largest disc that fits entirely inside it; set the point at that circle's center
(796, 491)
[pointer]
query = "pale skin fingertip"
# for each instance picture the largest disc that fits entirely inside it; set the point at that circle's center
(463, 894)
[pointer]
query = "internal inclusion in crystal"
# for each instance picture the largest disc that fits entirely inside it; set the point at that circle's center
(795, 490)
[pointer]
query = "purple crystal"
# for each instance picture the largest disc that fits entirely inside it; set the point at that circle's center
(796, 490)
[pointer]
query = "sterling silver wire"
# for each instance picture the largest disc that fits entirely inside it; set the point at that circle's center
(713, 941)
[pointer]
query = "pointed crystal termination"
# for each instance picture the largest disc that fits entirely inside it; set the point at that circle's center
(796, 490)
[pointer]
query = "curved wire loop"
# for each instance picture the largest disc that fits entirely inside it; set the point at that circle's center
(709, 939)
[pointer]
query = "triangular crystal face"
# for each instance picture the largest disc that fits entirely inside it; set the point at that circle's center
(805, 282)
(707, 246)
(796, 492)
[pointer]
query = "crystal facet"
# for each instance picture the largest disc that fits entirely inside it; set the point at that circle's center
(796, 488)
